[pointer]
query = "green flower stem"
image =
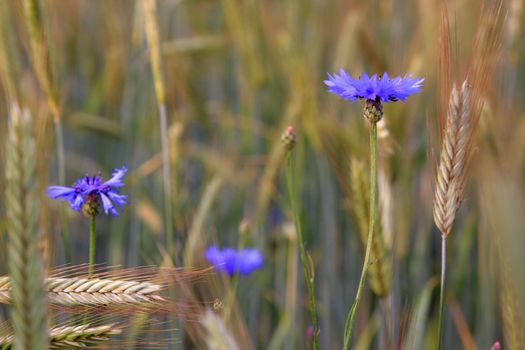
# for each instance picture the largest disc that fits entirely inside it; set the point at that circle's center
(91, 245)
(442, 287)
(230, 297)
(308, 266)
(233, 284)
(91, 262)
(373, 188)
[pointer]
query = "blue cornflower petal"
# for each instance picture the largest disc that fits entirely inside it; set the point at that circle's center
(91, 190)
(76, 202)
(61, 191)
(213, 255)
(222, 260)
(116, 178)
(88, 184)
(107, 204)
(231, 261)
(373, 88)
(252, 259)
(119, 199)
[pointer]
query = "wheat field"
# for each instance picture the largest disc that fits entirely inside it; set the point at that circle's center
(207, 124)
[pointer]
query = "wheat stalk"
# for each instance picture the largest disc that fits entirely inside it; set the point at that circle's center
(28, 312)
(40, 54)
(93, 291)
(154, 43)
(40, 58)
(71, 336)
(453, 158)
(41, 62)
(455, 147)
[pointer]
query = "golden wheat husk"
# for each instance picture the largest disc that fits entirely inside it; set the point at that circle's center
(511, 291)
(502, 203)
(80, 336)
(380, 270)
(29, 308)
(9, 61)
(93, 291)
(464, 109)
(453, 157)
(385, 138)
(386, 205)
(512, 318)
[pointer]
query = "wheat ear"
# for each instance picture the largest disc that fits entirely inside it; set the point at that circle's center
(453, 158)
(380, 269)
(39, 54)
(450, 176)
(512, 318)
(72, 336)
(93, 291)
(28, 312)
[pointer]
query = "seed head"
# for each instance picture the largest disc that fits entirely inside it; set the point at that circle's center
(373, 110)
(288, 138)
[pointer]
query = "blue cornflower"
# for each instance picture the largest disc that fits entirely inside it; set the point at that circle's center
(90, 190)
(233, 261)
(374, 88)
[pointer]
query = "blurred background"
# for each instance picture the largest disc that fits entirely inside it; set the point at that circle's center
(229, 77)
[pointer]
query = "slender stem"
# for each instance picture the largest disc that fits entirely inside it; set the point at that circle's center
(373, 187)
(154, 43)
(230, 297)
(91, 262)
(166, 175)
(61, 161)
(232, 286)
(308, 268)
(442, 287)
(91, 245)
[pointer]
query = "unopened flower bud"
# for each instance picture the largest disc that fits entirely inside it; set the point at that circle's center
(91, 206)
(496, 346)
(373, 110)
(310, 332)
(288, 138)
